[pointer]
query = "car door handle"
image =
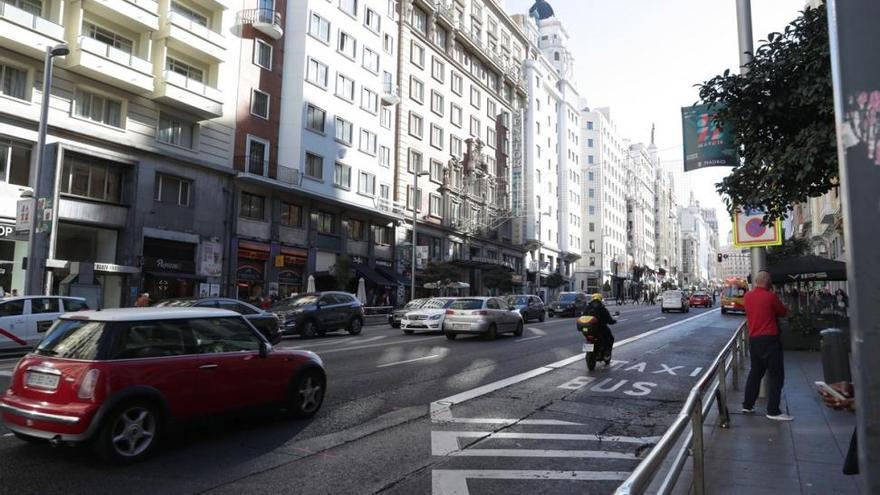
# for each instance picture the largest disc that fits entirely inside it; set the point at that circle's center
(208, 366)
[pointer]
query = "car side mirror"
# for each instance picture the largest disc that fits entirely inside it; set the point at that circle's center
(265, 349)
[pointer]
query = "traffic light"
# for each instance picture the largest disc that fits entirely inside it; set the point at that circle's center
(720, 256)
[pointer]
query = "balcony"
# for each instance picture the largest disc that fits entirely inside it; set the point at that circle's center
(192, 38)
(267, 21)
(445, 13)
(250, 167)
(111, 65)
(137, 15)
(390, 95)
(188, 94)
(27, 33)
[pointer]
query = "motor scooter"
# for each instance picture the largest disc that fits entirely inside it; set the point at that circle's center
(593, 347)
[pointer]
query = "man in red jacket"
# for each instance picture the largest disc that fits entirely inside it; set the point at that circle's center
(763, 307)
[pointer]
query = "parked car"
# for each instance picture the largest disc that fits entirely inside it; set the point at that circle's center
(316, 313)
(24, 320)
(674, 299)
(119, 378)
(700, 299)
(486, 316)
(568, 304)
(528, 306)
(429, 316)
(264, 321)
(397, 315)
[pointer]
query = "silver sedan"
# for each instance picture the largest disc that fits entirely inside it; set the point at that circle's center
(487, 316)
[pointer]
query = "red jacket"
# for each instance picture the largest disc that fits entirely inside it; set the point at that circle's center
(762, 309)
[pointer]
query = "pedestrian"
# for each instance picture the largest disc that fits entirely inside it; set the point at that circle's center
(848, 403)
(714, 297)
(842, 301)
(143, 300)
(763, 307)
(14, 293)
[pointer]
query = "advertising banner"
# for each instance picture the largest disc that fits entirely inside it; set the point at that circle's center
(705, 143)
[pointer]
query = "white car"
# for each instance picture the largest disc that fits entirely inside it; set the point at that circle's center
(429, 316)
(674, 299)
(24, 320)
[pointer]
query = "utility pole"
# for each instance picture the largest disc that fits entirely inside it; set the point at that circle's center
(853, 36)
(746, 49)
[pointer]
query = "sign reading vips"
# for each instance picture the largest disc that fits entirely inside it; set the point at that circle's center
(749, 230)
(705, 143)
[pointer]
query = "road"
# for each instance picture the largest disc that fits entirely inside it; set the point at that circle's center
(417, 413)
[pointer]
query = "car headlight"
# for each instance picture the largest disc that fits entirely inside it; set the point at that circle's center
(436, 317)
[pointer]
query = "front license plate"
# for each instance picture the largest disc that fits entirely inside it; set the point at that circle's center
(587, 348)
(41, 380)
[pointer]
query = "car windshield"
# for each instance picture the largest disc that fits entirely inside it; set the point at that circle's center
(415, 303)
(72, 339)
(296, 302)
(732, 291)
(467, 304)
(437, 303)
(567, 297)
(176, 303)
(518, 300)
(672, 293)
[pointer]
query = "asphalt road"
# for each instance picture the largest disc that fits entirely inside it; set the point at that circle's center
(417, 413)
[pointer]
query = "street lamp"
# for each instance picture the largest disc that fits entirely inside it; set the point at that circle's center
(44, 180)
(416, 197)
(537, 254)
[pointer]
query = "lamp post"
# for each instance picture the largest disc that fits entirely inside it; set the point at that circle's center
(416, 204)
(44, 181)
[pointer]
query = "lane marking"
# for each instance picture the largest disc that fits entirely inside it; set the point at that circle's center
(6, 373)
(579, 454)
(7, 434)
(325, 343)
(536, 330)
(528, 338)
(621, 320)
(657, 318)
(446, 442)
(383, 344)
(441, 410)
(432, 356)
(454, 481)
(364, 341)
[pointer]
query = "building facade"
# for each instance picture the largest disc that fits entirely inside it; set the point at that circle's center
(735, 262)
(642, 163)
(667, 249)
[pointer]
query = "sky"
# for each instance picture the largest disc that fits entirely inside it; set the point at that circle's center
(642, 59)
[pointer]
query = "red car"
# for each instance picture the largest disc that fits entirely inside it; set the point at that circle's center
(700, 299)
(118, 378)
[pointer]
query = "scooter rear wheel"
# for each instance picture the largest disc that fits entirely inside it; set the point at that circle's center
(591, 361)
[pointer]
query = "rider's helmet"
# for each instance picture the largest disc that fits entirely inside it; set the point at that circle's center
(597, 297)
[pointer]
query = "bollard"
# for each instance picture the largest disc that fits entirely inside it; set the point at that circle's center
(835, 356)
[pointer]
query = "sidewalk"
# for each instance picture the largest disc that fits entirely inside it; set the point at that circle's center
(759, 456)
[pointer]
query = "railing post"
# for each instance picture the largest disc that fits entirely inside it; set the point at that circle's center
(735, 362)
(697, 447)
(721, 394)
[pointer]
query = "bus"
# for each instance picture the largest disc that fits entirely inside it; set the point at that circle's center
(732, 295)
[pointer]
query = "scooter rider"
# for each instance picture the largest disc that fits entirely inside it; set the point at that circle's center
(598, 310)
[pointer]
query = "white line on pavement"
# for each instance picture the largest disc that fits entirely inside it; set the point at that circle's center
(432, 356)
(364, 341)
(6, 373)
(7, 434)
(454, 481)
(383, 344)
(536, 330)
(621, 320)
(580, 454)
(528, 338)
(446, 442)
(657, 318)
(322, 343)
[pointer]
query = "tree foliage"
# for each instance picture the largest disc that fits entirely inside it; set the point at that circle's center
(342, 272)
(781, 113)
(790, 248)
(444, 273)
(498, 278)
(554, 280)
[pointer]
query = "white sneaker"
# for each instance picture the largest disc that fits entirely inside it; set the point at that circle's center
(748, 410)
(780, 417)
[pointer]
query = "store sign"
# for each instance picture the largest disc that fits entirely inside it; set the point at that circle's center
(24, 215)
(111, 268)
(169, 265)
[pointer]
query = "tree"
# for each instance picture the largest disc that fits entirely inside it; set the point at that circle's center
(781, 114)
(606, 287)
(554, 280)
(498, 278)
(342, 271)
(444, 273)
(790, 248)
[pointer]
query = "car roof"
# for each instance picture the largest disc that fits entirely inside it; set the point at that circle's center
(22, 298)
(141, 314)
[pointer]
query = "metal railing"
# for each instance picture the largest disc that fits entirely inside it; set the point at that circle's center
(712, 384)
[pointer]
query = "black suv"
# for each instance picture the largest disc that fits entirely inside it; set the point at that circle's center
(264, 321)
(316, 313)
(568, 304)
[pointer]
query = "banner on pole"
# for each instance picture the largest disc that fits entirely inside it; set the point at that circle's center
(705, 143)
(750, 231)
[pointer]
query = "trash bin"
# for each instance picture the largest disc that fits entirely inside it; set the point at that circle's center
(835, 356)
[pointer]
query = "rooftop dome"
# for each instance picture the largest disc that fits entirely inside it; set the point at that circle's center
(541, 10)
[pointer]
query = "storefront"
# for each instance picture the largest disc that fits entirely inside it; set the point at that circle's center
(291, 264)
(250, 271)
(170, 269)
(13, 249)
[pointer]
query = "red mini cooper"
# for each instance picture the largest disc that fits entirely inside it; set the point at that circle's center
(117, 378)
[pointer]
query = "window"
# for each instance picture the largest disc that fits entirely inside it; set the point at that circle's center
(344, 87)
(15, 162)
(252, 206)
(350, 7)
(383, 235)
(90, 177)
(438, 69)
(436, 171)
(455, 115)
(108, 37)
(217, 335)
(441, 37)
(590, 176)
(475, 127)
(368, 142)
(419, 20)
(74, 305)
(417, 54)
(342, 175)
(437, 103)
(357, 230)
(491, 110)
(344, 131)
(592, 227)
(263, 54)
(372, 20)
(257, 156)
(385, 118)
(189, 14)
(436, 136)
(410, 197)
(173, 130)
(589, 125)
(369, 100)
(97, 108)
(326, 223)
(291, 215)
(316, 73)
(435, 205)
(346, 45)
(260, 104)
(415, 161)
(456, 83)
(384, 191)
(184, 69)
(171, 190)
(388, 43)
(455, 146)
(415, 125)
(371, 61)
(384, 156)
(590, 159)
(316, 118)
(13, 82)
(314, 166)
(475, 97)
(416, 90)
(319, 28)
(589, 143)
(367, 184)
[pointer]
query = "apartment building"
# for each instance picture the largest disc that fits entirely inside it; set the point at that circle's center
(461, 92)
(140, 133)
(642, 163)
(665, 224)
(735, 262)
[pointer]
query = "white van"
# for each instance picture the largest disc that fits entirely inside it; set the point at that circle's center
(24, 320)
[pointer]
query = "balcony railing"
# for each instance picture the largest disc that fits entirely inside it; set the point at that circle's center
(266, 20)
(445, 10)
(259, 167)
(114, 54)
(390, 94)
(192, 85)
(31, 21)
(197, 29)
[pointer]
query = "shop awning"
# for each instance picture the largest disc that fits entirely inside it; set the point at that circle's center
(372, 276)
(393, 276)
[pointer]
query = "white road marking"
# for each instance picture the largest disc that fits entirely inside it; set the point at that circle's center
(454, 481)
(432, 356)
(579, 454)
(6, 373)
(696, 371)
(322, 344)
(528, 338)
(446, 442)
(657, 318)
(536, 330)
(383, 344)
(621, 320)
(363, 341)
(7, 434)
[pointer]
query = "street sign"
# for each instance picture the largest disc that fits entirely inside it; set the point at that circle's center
(705, 143)
(750, 231)
(24, 214)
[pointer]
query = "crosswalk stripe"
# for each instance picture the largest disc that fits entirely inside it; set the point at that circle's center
(454, 481)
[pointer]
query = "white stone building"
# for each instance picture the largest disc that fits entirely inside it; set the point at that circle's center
(642, 164)
(735, 262)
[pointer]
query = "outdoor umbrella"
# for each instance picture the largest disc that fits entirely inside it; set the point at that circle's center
(311, 284)
(807, 268)
(362, 291)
